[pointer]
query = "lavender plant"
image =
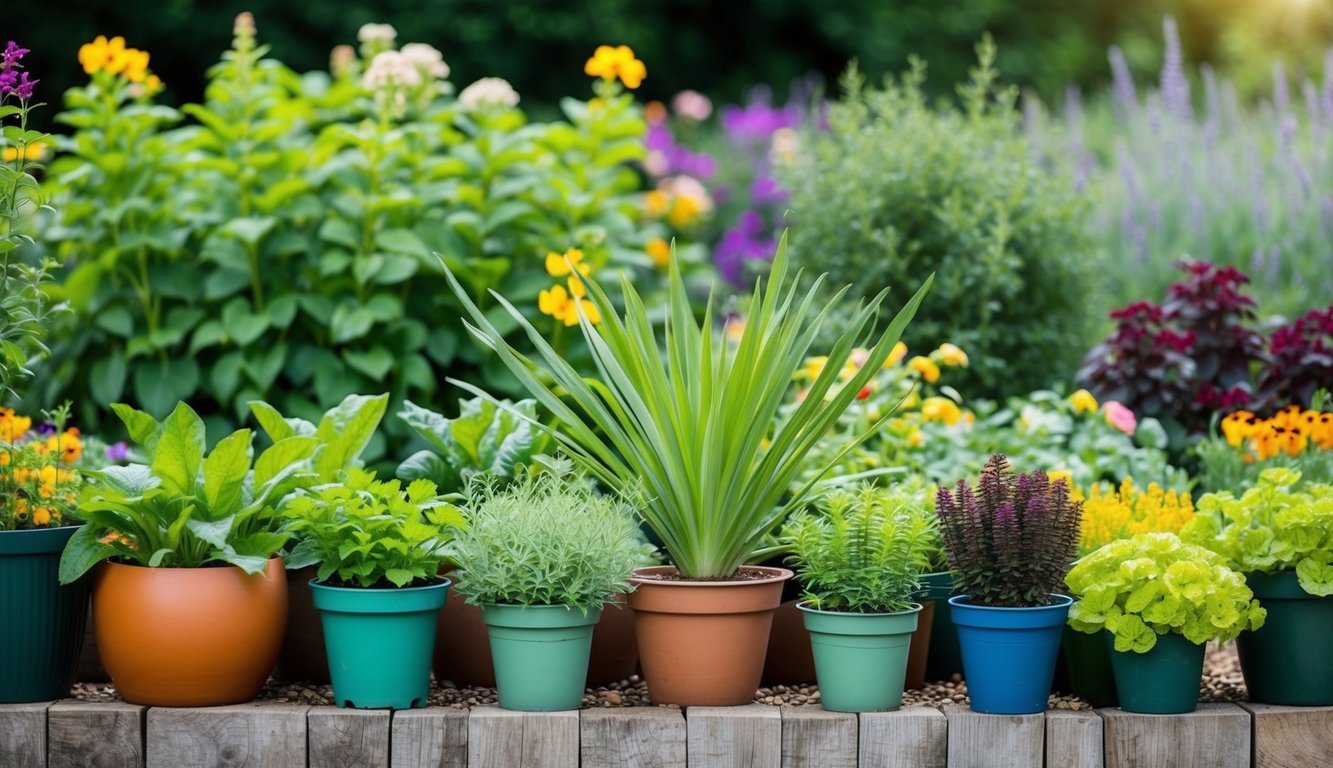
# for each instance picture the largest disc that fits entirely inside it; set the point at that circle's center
(1010, 542)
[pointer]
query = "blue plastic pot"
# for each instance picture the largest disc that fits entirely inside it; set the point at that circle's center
(1009, 653)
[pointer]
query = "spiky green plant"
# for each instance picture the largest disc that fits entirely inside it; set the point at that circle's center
(698, 430)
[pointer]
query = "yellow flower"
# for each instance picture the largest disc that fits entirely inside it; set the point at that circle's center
(926, 367)
(1109, 515)
(896, 355)
(610, 63)
(41, 516)
(1083, 402)
(656, 202)
(659, 251)
(13, 426)
(915, 438)
(951, 355)
(111, 56)
(34, 152)
(684, 210)
(558, 265)
(941, 409)
(558, 303)
(812, 368)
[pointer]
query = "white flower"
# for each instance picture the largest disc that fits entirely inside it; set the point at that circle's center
(692, 105)
(427, 59)
(488, 92)
(391, 69)
(377, 33)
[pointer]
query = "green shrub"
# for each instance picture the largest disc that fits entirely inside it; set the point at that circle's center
(548, 539)
(270, 242)
(897, 189)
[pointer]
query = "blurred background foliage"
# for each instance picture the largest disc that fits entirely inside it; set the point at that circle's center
(721, 49)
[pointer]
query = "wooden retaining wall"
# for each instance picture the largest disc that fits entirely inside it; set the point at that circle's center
(72, 734)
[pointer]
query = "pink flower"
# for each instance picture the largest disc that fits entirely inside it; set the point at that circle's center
(692, 105)
(1119, 417)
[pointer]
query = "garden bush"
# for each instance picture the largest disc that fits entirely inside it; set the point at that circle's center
(275, 242)
(897, 189)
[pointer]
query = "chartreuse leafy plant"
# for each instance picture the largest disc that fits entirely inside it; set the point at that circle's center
(860, 551)
(692, 418)
(1155, 584)
(369, 533)
(186, 508)
(547, 539)
(484, 439)
(342, 433)
(1272, 527)
(1010, 542)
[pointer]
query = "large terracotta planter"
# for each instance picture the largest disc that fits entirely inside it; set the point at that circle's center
(702, 643)
(303, 656)
(189, 637)
(789, 659)
(41, 621)
(463, 646)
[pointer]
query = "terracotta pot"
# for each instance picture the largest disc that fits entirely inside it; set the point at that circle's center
(702, 643)
(303, 656)
(90, 662)
(789, 659)
(463, 647)
(916, 654)
(189, 637)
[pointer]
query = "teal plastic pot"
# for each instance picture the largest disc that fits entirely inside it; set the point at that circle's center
(1162, 681)
(1289, 660)
(540, 653)
(1009, 653)
(860, 658)
(379, 643)
(1088, 665)
(943, 659)
(41, 622)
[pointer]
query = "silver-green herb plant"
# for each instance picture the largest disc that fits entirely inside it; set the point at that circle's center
(861, 550)
(548, 539)
(693, 416)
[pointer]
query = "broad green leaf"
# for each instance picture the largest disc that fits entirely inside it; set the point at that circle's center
(345, 430)
(179, 451)
(142, 427)
(280, 456)
(224, 473)
(81, 553)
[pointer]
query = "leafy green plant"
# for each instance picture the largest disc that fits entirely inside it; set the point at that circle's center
(485, 439)
(341, 434)
(1011, 541)
(1271, 527)
(370, 533)
(185, 509)
(1154, 584)
(900, 186)
(547, 539)
(696, 430)
(859, 551)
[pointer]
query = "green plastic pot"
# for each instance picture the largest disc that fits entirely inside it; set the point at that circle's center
(41, 622)
(379, 643)
(540, 653)
(1162, 681)
(944, 659)
(860, 658)
(1289, 660)
(1088, 664)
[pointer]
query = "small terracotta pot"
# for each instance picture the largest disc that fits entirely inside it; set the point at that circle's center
(463, 646)
(919, 649)
(702, 643)
(189, 637)
(789, 658)
(303, 656)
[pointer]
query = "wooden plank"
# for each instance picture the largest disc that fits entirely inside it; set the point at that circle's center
(916, 737)
(500, 738)
(1214, 736)
(813, 737)
(748, 736)
(1291, 737)
(1073, 739)
(429, 738)
(638, 737)
(249, 735)
(23, 735)
(348, 738)
(994, 741)
(85, 734)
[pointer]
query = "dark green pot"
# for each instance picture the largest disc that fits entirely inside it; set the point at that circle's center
(1289, 660)
(41, 622)
(943, 659)
(1088, 661)
(1163, 681)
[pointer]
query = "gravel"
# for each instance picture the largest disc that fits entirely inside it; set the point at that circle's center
(1221, 682)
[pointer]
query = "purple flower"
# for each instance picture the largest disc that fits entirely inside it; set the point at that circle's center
(745, 241)
(46, 428)
(671, 159)
(10, 58)
(11, 80)
(118, 452)
(766, 191)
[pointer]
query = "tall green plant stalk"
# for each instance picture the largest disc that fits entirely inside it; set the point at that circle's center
(696, 432)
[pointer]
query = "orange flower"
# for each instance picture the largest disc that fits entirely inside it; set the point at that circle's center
(926, 367)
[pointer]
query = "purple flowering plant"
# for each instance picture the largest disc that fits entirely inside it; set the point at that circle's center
(23, 304)
(1011, 540)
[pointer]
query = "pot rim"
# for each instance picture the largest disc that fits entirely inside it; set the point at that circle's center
(219, 567)
(802, 605)
(315, 584)
(640, 576)
(1063, 601)
(36, 541)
